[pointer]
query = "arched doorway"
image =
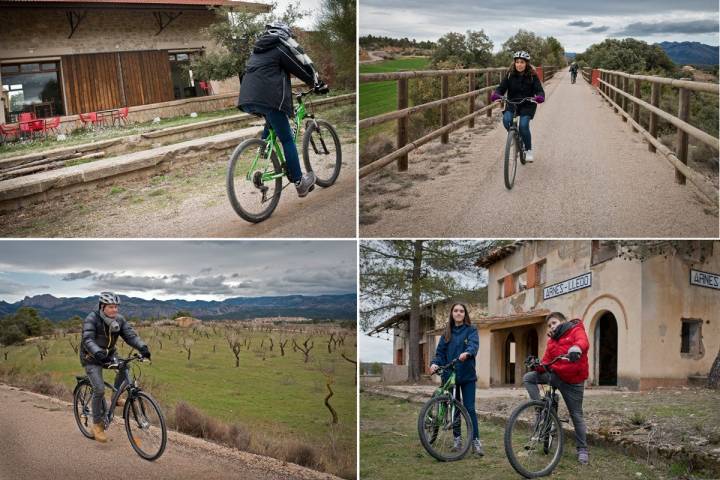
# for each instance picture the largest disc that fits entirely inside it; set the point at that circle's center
(510, 359)
(606, 346)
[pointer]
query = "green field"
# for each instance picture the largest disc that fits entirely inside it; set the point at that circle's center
(390, 450)
(381, 97)
(279, 397)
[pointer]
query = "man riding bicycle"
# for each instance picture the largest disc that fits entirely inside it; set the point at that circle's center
(265, 90)
(101, 330)
(573, 71)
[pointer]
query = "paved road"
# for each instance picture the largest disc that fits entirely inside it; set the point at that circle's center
(591, 177)
(40, 440)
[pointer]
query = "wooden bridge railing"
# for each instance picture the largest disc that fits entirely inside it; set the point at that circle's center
(614, 86)
(403, 112)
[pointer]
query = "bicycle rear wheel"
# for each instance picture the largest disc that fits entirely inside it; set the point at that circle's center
(322, 153)
(531, 450)
(251, 196)
(512, 153)
(145, 426)
(82, 408)
(442, 420)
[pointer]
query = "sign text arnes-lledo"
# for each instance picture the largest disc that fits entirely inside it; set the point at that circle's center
(705, 279)
(571, 285)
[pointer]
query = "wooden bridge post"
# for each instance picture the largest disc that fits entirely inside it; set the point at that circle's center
(682, 136)
(488, 82)
(624, 99)
(402, 125)
(654, 101)
(636, 107)
(471, 100)
(444, 82)
(614, 83)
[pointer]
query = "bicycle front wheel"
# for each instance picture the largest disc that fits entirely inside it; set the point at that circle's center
(322, 153)
(512, 152)
(145, 426)
(445, 429)
(533, 439)
(254, 182)
(82, 408)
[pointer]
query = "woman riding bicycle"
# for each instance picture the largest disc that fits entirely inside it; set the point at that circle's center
(460, 340)
(520, 82)
(101, 330)
(566, 338)
(265, 90)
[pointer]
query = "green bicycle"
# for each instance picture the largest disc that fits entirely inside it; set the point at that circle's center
(257, 166)
(444, 424)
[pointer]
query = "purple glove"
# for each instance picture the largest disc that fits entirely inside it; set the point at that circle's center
(495, 96)
(539, 98)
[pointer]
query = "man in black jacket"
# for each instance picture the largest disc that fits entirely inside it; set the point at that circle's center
(101, 330)
(265, 90)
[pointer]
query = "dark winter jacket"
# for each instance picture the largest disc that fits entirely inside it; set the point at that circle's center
(266, 80)
(464, 339)
(96, 337)
(518, 87)
(567, 335)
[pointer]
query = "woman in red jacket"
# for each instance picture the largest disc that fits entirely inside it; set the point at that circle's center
(566, 338)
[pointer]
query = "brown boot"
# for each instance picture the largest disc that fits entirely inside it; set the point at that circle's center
(99, 432)
(120, 403)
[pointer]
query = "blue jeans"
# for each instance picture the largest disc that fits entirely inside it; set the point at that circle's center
(94, 373)
(466, 391)
(281, 124)
(523, 126)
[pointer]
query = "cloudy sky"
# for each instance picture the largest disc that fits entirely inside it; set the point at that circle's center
(311, 6)
(576, 24)
(176, 269)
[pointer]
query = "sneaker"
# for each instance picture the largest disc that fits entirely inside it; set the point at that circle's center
(583, 456)
(120, 403)
(306, 184)
(457, 444)
(478, 448)
(99, 432)
(529, 156)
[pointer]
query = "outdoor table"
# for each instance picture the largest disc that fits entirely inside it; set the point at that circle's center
(106, 113)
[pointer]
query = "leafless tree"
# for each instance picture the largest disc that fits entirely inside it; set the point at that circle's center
(187, 343)
(42, 350)
(74, 345)
(282, 343)
(307, 345)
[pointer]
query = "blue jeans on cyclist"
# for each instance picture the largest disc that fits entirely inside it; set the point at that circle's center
(466, 392)
(281, 124)
(523, 127)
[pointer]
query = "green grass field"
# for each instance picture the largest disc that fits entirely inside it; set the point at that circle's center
(381, 97)
(280, 396)
(390, 450)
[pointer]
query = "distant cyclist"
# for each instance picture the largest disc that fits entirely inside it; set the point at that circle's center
(573, 71)
(520, 82)
(265, 90)
(101, 330)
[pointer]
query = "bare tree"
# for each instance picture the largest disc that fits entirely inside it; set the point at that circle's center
(187, 343)
(714, 375)
(42, 350)
(282, 343)
(271, 343)
(307, 345)
(74, 345)
(331, 342)
(235, 347)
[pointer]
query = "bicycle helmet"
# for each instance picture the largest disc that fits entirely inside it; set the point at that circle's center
(521, 54)
(109, 298)
(279, 28)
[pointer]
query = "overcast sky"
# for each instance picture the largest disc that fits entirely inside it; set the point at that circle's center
(311, 6)
(176, 269)
(576, 24)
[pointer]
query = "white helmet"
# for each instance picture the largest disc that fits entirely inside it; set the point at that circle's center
(521, 54)
(109, 298)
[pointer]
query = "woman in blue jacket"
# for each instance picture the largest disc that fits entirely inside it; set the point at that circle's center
(460, 340)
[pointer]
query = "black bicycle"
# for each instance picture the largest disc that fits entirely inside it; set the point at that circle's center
(144, 421)
(573, 77)
(534, 439)
(444, 424)
(514, 146)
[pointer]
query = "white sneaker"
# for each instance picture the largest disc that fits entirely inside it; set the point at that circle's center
(529, 156)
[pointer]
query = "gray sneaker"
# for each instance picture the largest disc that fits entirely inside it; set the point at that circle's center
(478, 448)
(457, 444)
(306, 184)
(529, 158)
(583, 456)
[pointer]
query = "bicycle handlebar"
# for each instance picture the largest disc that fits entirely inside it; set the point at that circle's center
(506, 99)
(442, 368)
(533, 362)
(124, 361)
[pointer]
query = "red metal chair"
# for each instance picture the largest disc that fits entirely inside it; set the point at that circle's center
(205, 87)
(91, 118)
(120, 115)
(7, 131)
(53, 124)
(27, 116)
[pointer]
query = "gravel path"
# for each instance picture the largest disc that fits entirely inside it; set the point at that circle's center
(41, 440)
(591, 177)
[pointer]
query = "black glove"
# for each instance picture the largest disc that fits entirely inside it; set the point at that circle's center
(531, 362)
(101, 356)
(145, 352)
(321, 87)
(574, 354)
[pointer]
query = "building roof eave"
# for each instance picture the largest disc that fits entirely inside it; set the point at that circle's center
(497, 254)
